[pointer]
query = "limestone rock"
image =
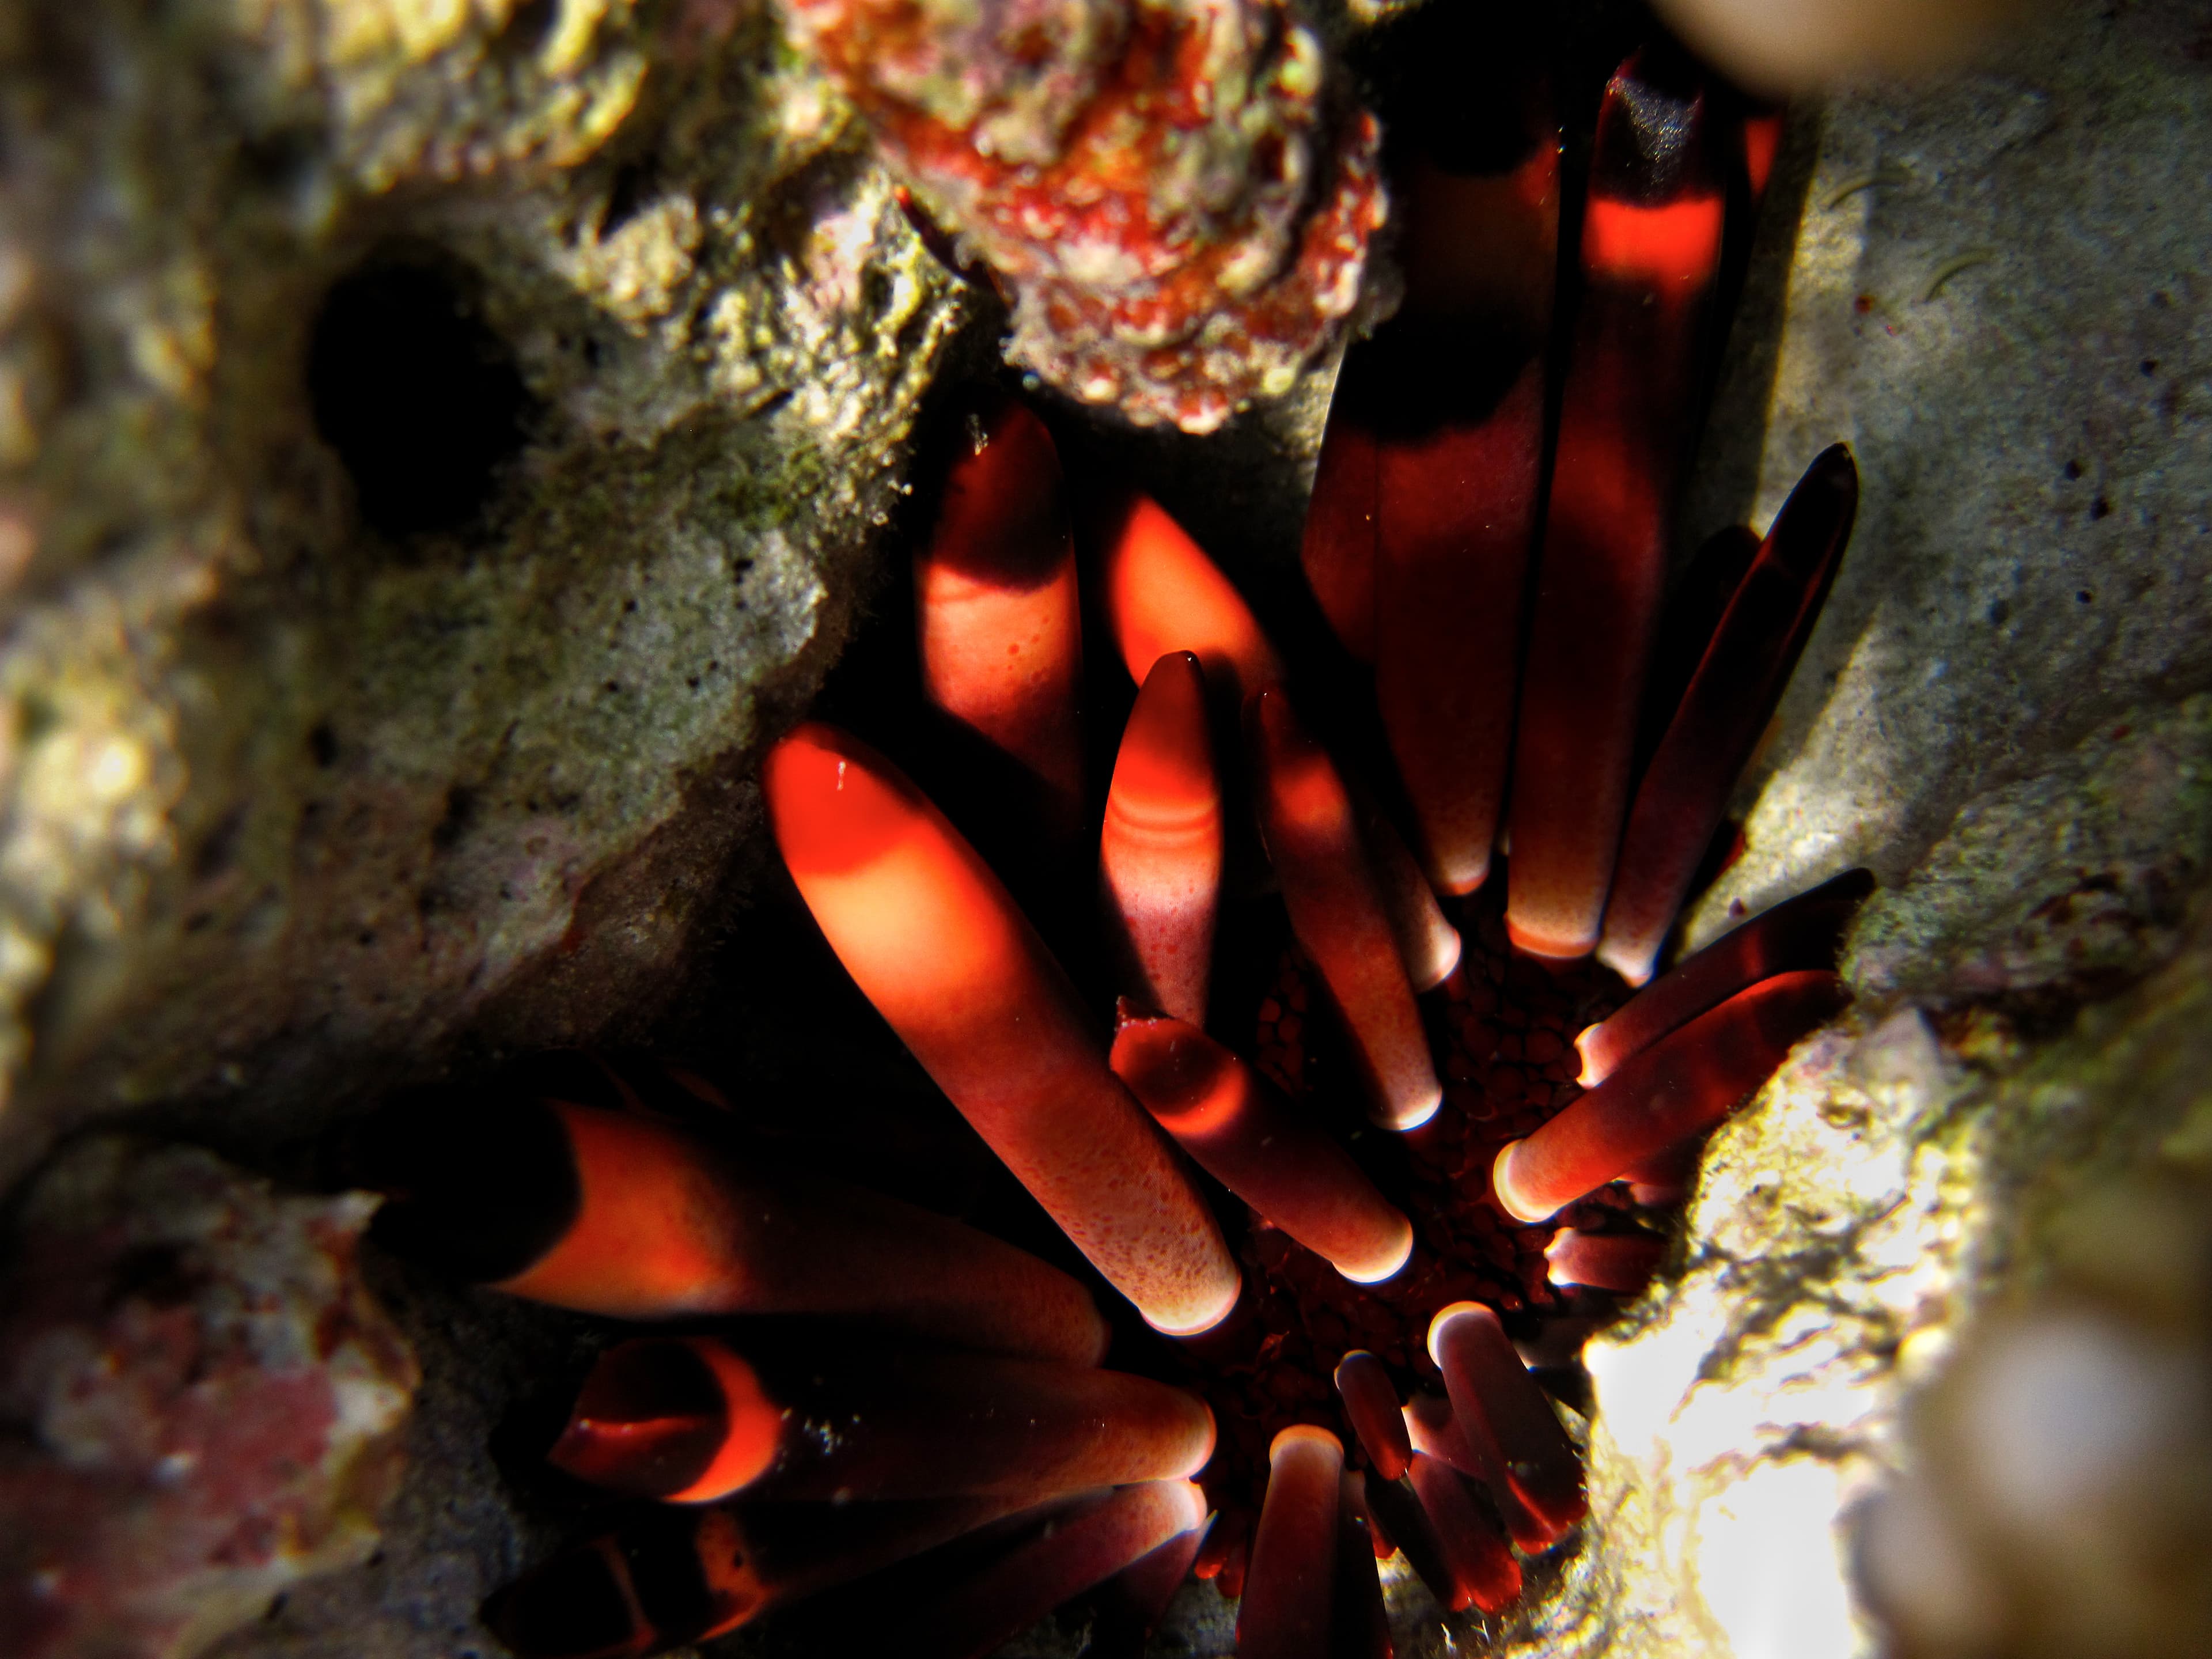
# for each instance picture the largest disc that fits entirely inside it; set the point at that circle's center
(213, 1399)
(429, 435)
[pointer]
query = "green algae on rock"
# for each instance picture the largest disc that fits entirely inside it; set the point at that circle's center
(303, 775)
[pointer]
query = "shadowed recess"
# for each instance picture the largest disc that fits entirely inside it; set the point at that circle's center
(419, 396)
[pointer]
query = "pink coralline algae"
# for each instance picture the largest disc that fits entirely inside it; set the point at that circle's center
(205, 1404)
(1176, 210)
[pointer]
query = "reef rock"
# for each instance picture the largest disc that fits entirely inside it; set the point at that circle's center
(428, 435)
(210, 1400)
(1182, 218)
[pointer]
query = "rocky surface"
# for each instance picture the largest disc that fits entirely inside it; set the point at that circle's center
(429, 435)
(203, 1402)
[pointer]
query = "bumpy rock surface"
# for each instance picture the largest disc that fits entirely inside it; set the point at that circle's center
(1157, 182)
(204, 1401)
(429, 434)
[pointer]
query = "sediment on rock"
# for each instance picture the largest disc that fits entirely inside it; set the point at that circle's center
(429, 440)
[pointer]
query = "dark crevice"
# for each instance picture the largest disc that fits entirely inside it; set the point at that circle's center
(417, 394)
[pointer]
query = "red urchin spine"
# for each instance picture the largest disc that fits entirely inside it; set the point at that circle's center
(1685, 1083)
(1160, 845)
(609, 1212)
(1728, 703)
(995, 603)
(692, 1420)
(1650, 254)
(933, 940)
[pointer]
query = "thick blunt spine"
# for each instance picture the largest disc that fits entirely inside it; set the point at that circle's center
(1160, 847)
(1428, 945)
(1434, 1430)
(1457, 488)
(1163, 594)
(1306, 818)
(1622, 1262)
(1491, 1390)
(1371, 1402)
(1242, 1131)
(1798, 934)
(937, 945)
(611, 1213)
(1651, 250)
(996, 602)
(1683, 1083)
(1478, 1563)
(1338, 549)
(1732, 696)
(692, 1420)
(1288, 1606)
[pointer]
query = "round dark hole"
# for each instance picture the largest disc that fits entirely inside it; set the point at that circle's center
(419, 398)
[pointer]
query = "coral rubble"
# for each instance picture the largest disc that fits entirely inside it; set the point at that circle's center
(1182, 216)
(214, 1402)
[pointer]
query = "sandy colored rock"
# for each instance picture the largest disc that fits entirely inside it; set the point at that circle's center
(210, 1401)
(317, 752)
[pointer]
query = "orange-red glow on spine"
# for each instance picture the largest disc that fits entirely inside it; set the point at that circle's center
(1159, 850)
(1731, 698)
(1163, 594)
(973, 1616)
(1434, 1429)
(1457, 496)
(1306, 818)
(1683, 1083)
(1459, 513)
(934, 942)
(1491, 1388)
(1482, 1572)
(1668, 250)
(1802, 933)
(1428, 945)
(996, 603)
(633, 1431)
(1622, 1262)
(1243, 1131)
(1762, 143)
(892, 1425)
(1290, 1588)
(1623, 442)
(667, 1228)
(1371, 1402)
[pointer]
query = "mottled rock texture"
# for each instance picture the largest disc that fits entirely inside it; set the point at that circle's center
(431, 433)
(204, 1403)
(1155, 183)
